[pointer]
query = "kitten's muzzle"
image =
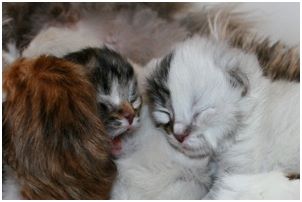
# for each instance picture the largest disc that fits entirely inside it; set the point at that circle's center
(129, 117)
(181, 137)
(127, 112)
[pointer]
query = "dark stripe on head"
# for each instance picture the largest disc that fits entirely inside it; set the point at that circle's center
(157, 88)
(105, 66)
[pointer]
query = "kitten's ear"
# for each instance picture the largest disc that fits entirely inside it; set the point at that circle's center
(73, 57)
(238, 79)
(147, 70)
(86, 57)
(240, 68)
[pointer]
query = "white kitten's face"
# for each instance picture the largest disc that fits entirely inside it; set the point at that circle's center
(195, 97)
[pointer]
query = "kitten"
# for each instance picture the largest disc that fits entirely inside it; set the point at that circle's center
(156, 171)
(112, 76)
(208, 96)
(118, 97)
(54, 143)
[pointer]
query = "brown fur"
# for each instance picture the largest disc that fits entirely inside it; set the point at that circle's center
(125, 110)
(142, 31)
(23, 20)
(293, 176)
(278, 60)
(54, 140)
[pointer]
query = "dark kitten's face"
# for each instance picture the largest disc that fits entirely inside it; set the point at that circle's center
(117, 92)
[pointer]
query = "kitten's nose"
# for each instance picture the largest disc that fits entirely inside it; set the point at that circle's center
(129, 117)
(181, 137)
(127, 112)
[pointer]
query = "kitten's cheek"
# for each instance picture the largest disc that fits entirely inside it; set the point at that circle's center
(191, 143)
(136, 122)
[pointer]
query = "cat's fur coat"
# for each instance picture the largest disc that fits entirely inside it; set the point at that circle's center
(157, 171)
(258, 129)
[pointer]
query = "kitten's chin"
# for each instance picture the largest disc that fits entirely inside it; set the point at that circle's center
(117, 143)
(116, 147)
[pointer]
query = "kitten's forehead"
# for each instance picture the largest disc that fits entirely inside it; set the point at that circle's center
(185, 76)
(113, 69)
(193, 74)
(118, 92)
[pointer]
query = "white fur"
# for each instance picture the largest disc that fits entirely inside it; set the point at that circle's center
(156, 171)
(258, 132)
(263, 186)
(10, 186)
(59, 41)
(137, 103)
(8, 57)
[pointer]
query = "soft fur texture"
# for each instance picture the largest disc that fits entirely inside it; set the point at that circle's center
(111, 74)
(54, 141)
(157, 171)
(213, 96)
(278, 60)
(22, 21)
(264, 186)
(142, 31)
(60, 41)
(118, 97)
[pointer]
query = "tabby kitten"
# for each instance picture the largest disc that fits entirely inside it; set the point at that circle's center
(119, 101)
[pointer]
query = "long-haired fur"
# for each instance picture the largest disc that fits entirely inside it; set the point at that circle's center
(142, 31)
(23, 20)
(54, 141)
(278, 60)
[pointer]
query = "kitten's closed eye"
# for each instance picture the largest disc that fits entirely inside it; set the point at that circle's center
(203, 115)
(105, 107)
(203, 111)
(163, 120)
(161, 117)
(167, 127)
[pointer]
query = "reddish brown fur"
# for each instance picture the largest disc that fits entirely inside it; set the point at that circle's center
(54, 140)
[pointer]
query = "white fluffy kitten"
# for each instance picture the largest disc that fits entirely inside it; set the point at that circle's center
(156, 171)
(208, 96)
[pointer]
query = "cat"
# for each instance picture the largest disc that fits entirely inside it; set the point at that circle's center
(103, 63)
(118, 96)
(112, 75)
(212, 100)
(55, 145)
(156, 171)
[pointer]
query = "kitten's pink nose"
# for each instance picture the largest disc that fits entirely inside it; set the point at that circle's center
(181, 137)
(129, 117)
(127, 112)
